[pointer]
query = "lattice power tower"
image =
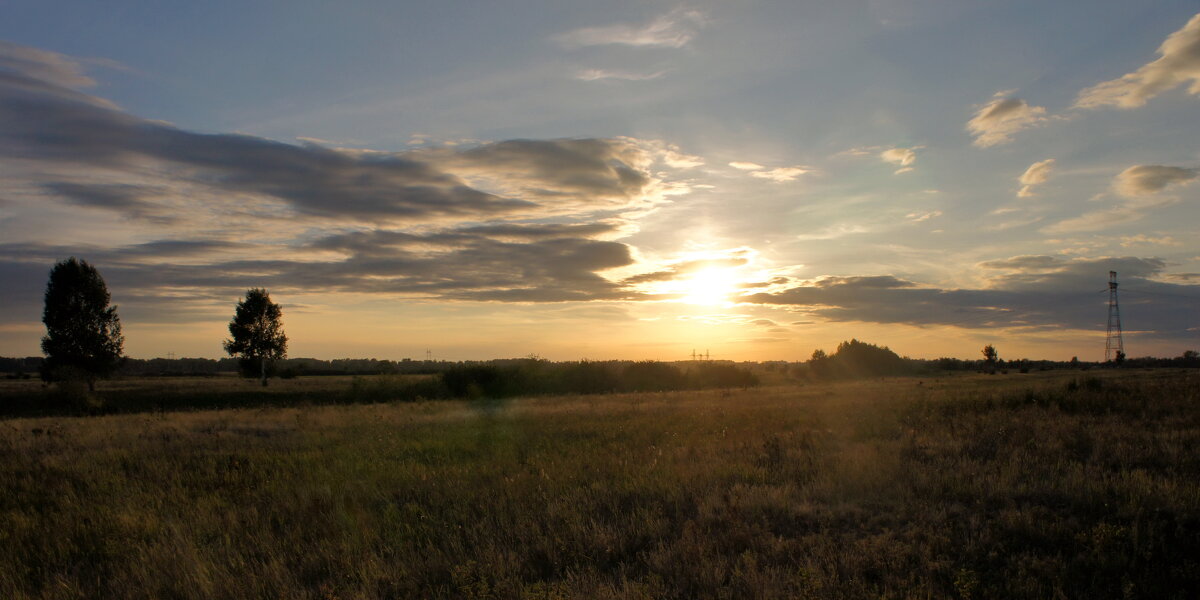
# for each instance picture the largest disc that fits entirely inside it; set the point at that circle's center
(1114, 346)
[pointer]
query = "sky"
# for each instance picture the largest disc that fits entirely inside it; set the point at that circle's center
(609, 180)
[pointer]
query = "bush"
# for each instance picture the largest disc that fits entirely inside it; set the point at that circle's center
(717, 375)
(651, 376)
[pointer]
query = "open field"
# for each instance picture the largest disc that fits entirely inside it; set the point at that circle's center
(1044, 485)
(30, 397)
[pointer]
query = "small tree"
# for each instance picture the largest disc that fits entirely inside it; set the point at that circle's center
(990, 356)
(257, 331)
(83, 333)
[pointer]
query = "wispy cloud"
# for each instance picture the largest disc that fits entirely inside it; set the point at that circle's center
(1178, 63)
(781, 174)
(1127, 212)
(602, 74)
(746, 166)
(672, 30)
(903, 157)
(778, 174)
(997, 121)
(1139, 185)
(1037, 174)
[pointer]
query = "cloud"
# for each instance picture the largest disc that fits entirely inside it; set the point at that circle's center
(1025, 263)
(1139, 185)
(672, 30)
(43, 65)
(918, 217)
(515, 220)
(600, 74)
(1031, 292)
(1178, 63)
(781, 174)
(59, 129)
(997, 121)
(1142, 180)
(128, 199)
(1130, 211)
(1142, 239)
(1037, 174)
(684, 268)
(746, 166)
(778, 175)
(900, 156)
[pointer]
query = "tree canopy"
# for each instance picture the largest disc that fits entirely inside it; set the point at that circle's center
(83, 333)
(257, 333)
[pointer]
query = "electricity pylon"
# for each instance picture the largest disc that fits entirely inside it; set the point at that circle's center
(1114, 346)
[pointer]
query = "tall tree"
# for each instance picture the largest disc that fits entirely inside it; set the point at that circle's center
(83, 333)
(257, 330)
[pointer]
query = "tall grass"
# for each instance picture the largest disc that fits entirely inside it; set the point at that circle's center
(969, 487)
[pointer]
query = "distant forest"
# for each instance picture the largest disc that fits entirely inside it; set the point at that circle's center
(852, 359)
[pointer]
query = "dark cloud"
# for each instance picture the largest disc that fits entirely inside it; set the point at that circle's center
(448, 265)
(1034, 292)
(127, 199)
(584, 166)
(543, 231)
(43, 119)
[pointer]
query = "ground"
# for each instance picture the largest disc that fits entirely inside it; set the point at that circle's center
(1044, 485)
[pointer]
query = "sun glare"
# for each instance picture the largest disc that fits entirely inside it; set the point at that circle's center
(709, 286)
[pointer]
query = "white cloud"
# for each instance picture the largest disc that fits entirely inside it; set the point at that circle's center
(904, 157)
(782, 174)
(917, 217)
(1142, 180)
(1037, 174)
(1179, 63)
(997, 121)
(672, 30)
(899, 156)
(778, 175)
(601, 74)
(746, 166)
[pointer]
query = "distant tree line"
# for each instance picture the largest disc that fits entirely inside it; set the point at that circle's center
(538, 376)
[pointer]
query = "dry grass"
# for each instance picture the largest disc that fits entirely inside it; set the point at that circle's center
(1026, 486)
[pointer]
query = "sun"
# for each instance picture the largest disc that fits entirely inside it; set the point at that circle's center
(709, 287)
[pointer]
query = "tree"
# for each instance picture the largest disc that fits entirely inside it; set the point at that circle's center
(83, 333)
(990, 355)
(257, 331)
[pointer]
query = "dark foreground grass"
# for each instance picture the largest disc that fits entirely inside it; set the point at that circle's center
(1046, 486)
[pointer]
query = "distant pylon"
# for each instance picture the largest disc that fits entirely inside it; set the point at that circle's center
(1114, 346)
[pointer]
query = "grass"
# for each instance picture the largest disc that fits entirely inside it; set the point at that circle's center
(1048, 485)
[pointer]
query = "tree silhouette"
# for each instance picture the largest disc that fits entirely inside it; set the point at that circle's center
(83, 333)
(990, 355)
(257, 330)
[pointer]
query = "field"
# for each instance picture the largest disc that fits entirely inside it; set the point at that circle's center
(1043, 485)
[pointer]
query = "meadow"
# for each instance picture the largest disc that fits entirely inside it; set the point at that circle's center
(1059, 484)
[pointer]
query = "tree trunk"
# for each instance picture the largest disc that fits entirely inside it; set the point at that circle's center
(264, 371)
